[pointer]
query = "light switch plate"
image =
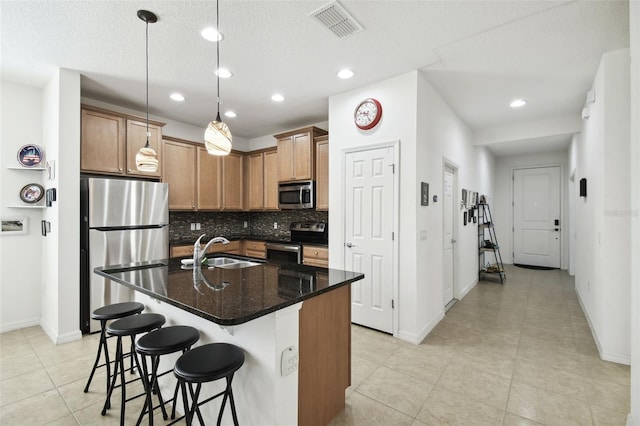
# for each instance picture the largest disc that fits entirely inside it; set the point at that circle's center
(289, 361)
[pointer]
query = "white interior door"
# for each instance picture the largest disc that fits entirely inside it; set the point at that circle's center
(369, 187)
(447, 257)
(536, 216)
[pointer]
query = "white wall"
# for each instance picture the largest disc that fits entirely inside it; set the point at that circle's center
(634, 14)
(428, 133)
(502, 209)
(603, 217)
(20, 255)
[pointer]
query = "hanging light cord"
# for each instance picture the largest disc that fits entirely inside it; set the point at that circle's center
(147, 76)
(218, 56)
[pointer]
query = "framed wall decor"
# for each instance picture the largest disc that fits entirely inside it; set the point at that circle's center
(14, 226)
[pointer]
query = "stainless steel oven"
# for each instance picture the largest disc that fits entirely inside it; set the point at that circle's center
(284, 252)
(296, 195)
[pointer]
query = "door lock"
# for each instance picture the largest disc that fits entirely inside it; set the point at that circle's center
(350, 245)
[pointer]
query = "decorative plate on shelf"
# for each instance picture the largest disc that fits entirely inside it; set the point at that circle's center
(31, 156)
(31, 193)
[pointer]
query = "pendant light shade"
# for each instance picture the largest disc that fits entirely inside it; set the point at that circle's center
(147, 158)
(217, 136)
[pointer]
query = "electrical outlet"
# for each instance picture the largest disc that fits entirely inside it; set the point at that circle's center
(246, 224)
(197, 226)
(193, 226)
(275, 225)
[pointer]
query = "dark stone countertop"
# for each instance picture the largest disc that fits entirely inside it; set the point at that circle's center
(229, 296)
(206, 239)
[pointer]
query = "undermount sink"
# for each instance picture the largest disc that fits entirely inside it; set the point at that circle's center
(230, 263)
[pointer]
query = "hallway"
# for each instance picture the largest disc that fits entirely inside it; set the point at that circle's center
(521, 354)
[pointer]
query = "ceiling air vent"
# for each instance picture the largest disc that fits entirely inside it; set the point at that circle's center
(334, 17)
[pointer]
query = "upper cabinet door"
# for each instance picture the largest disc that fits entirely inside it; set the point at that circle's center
(271, 180)
(136, 139)
(209, 180)
(232, 171)
(302, 154)
(256, 181)
(285, 159)
(102, 143)
(322, 173)
(180, 175)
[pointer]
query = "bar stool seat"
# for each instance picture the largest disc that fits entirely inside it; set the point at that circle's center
(104, 314)
(128, 326)
(155, 344)
(205, 364)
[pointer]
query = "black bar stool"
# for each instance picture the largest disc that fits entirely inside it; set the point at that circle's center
(205, 364)
(104, 314)
(128, 326)
(155, 344)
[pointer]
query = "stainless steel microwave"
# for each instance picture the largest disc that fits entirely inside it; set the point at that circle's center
(297, 195)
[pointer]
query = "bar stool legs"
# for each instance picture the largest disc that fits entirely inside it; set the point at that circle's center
(104, 314)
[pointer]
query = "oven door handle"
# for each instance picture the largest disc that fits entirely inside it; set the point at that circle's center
(283, 247)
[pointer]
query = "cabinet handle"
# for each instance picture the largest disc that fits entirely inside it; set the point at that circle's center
(120, 169)
(315, 252)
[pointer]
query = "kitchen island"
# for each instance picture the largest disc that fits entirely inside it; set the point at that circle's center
(269, 310)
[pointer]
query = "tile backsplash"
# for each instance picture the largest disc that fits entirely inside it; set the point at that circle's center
(231, 224)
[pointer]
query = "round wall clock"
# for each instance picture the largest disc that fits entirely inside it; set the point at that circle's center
(367, 114)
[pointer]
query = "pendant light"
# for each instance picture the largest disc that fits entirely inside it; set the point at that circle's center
(147, 158)
(217, 137)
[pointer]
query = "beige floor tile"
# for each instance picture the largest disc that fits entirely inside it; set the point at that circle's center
(501, 343)
(371, 348)
(597, 369)
(546, 407)
(550, 379)
(606, 417)
(12, 366)
(483, 360)
(36, 410)
(396, 390)
(55, 354)
(513, 420)
(609, 395)
(450, 329)
(422, 362)
(443, 407)
(76, 399)
(478, 385)
(360, 370)
(24, 386)
(17, 349)
(71, 370)
(363, 411)
(64, 421)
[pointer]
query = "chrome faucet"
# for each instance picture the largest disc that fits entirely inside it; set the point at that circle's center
(200, 253)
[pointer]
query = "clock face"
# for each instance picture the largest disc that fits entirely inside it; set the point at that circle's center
(367, 114)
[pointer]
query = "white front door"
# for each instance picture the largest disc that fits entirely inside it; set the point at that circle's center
(536, 216)
(447, 257)
(369, 187)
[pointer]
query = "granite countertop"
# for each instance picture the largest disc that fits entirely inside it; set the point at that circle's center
(229, 296)
(265, 238)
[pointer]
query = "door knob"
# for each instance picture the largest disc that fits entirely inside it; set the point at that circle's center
(556, 229)
(453, 241)
(350, 245)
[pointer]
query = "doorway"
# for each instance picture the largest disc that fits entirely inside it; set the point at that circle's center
(536, 216)
(448, 218)
(371, 207)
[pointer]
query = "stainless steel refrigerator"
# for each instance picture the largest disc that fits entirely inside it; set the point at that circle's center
(122, 222)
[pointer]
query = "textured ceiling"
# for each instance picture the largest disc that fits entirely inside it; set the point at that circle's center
(478, 54)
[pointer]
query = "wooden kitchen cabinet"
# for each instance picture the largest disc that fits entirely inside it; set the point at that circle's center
(295, 154)
(255, 249)
(180, 174)
(199, 181)
(322, 173)
(262, 179)
(315, 256)
(109, 142)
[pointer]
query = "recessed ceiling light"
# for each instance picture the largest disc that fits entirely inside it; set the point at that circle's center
(517, 103)
(230, 114)
(223, 73)
(345, 73)
(277, 98)
(177, 97)
(211, 34)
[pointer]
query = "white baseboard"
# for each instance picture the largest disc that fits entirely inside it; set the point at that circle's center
(464, 291)
(17, 325)
(60, 338)
(417, 338)
(630, 420)
(605, 355)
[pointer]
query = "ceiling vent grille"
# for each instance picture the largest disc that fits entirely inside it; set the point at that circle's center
(335, 18)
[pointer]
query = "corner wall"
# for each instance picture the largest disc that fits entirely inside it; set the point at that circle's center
(603, 217)
(20, 255)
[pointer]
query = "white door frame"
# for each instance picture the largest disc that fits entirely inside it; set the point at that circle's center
(456, 216)
(395, 145)
(564, 224)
